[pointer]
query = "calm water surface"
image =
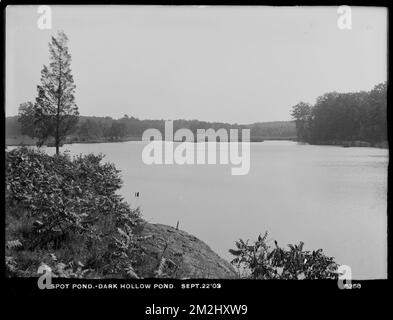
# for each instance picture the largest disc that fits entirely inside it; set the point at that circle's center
(329, 197)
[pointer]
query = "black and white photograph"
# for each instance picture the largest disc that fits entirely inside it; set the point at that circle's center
(156, 143)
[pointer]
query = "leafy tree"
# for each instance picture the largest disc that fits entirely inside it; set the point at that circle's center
(301, 113)
(377, 112)
(55, 113)
(89, 129)
(26, 118)
(338, 117)
(116, 130)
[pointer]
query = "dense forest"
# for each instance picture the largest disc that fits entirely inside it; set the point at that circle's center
(99, 129)
(348, 119)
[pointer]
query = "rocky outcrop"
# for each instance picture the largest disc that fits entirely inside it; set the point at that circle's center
(171, 253)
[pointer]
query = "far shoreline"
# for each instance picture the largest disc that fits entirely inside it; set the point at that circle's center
(344, 144)
(21, 141)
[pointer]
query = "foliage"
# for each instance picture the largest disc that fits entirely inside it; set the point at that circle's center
(54, 113)
(301, 113)
(26, 119)
(67, 207)
(260, 261)
(69, 270)
(101, 129)
(89, 129)
(338, 117)
(116, 130)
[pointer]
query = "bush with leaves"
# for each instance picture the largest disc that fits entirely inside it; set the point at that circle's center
(68, 207)
(259, 261)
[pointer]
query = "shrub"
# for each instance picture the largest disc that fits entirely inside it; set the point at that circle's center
(260, 261)
(68, 208)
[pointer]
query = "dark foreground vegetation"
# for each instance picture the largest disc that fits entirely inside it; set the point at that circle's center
(260, 261)
(64, 213)
(348, 119)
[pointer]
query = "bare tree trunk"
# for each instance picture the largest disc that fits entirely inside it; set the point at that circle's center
(57, 147)
(57, 139)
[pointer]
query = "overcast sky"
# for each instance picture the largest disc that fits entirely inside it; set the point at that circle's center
(231, 64)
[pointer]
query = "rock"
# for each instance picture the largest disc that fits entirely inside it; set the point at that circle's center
(171, 253)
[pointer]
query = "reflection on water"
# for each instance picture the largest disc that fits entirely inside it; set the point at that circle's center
(329, 197)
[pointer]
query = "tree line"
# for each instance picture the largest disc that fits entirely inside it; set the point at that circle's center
(95, 129)
(338, 118)
(129, 126)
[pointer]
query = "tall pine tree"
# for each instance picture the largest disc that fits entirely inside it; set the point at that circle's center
(55, 111)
